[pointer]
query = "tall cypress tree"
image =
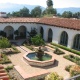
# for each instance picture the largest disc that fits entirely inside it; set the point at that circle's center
(49, 3)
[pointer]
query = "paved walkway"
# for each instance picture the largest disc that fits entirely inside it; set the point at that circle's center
(59, 66)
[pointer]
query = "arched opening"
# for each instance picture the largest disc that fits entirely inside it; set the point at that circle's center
(41, 31)
(9, 32)
(64, 38)
(50, 34)
(76, 42)
(22, 32)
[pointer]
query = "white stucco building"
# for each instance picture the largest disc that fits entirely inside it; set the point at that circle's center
(58, 30)
(3, 14)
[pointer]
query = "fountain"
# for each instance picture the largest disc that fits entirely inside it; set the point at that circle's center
(39, 58)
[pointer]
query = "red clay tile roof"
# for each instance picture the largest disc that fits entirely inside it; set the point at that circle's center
(62, 22)
(19, 20)
(58, 22)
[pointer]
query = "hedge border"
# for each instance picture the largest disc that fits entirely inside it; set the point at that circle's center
(66, 48)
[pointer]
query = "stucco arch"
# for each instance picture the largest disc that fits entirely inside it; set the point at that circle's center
(22, 31)
(42, 31)
(9, 30)
(50, 35)
(64, 38)
(76, 42)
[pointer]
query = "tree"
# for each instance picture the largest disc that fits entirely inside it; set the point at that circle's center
(33, 32)
(9, 14)
(76, 15)
(15, 14)
(67, 14)
(51, 10)
(2, 33)
(36, 12)
(58, 14)
(37, 40)
(4, 43)
(24, 12)
(49, 3)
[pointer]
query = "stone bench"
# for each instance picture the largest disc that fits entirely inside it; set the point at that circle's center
(26, 76)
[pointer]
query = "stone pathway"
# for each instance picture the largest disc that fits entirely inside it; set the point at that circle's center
(59, 66)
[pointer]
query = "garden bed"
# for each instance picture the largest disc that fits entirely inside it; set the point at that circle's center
(66, 48)
(73, 58)
(15, 50)
(58, 51)
(29, 47)
(4, 59)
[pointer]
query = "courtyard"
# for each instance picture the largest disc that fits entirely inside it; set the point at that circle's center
(58, 66)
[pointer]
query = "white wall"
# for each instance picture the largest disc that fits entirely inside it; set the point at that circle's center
(56, 31)
(3, 15)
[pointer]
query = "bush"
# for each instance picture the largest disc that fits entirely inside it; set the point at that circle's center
(4, 59)
(65, 48)
(37, 40)
(75, 70)
(58, 51)
(4, 43)
(53, 76)
(73, 58)
(67, 68)
(9, 68)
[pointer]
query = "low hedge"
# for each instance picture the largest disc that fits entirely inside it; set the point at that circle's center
(67, 68)
(73, 58)
(9, 68)
(15, 50)
(29, 47)
(66, 48)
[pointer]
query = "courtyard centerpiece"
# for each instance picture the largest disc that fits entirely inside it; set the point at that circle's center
(39, 58)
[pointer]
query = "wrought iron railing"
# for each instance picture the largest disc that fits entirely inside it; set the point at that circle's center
(77, 77)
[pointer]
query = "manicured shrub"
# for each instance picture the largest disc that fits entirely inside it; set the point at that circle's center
(67, 68)
(58, 51)
(37, 40)
(4, 59)
(53, 76)
(4, 43)
(29, 47)
(9, 68)
(15, 49)
(75, 70)
(65, 48)
(73, 58)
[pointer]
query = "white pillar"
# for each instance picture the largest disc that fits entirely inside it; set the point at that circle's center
(70, 41)
(45, 35)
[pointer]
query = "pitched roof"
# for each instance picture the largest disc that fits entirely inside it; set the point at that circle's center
(62, 22)
(58, 22)
(19, 20)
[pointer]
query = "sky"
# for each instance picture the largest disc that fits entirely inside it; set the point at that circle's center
(57, 3)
